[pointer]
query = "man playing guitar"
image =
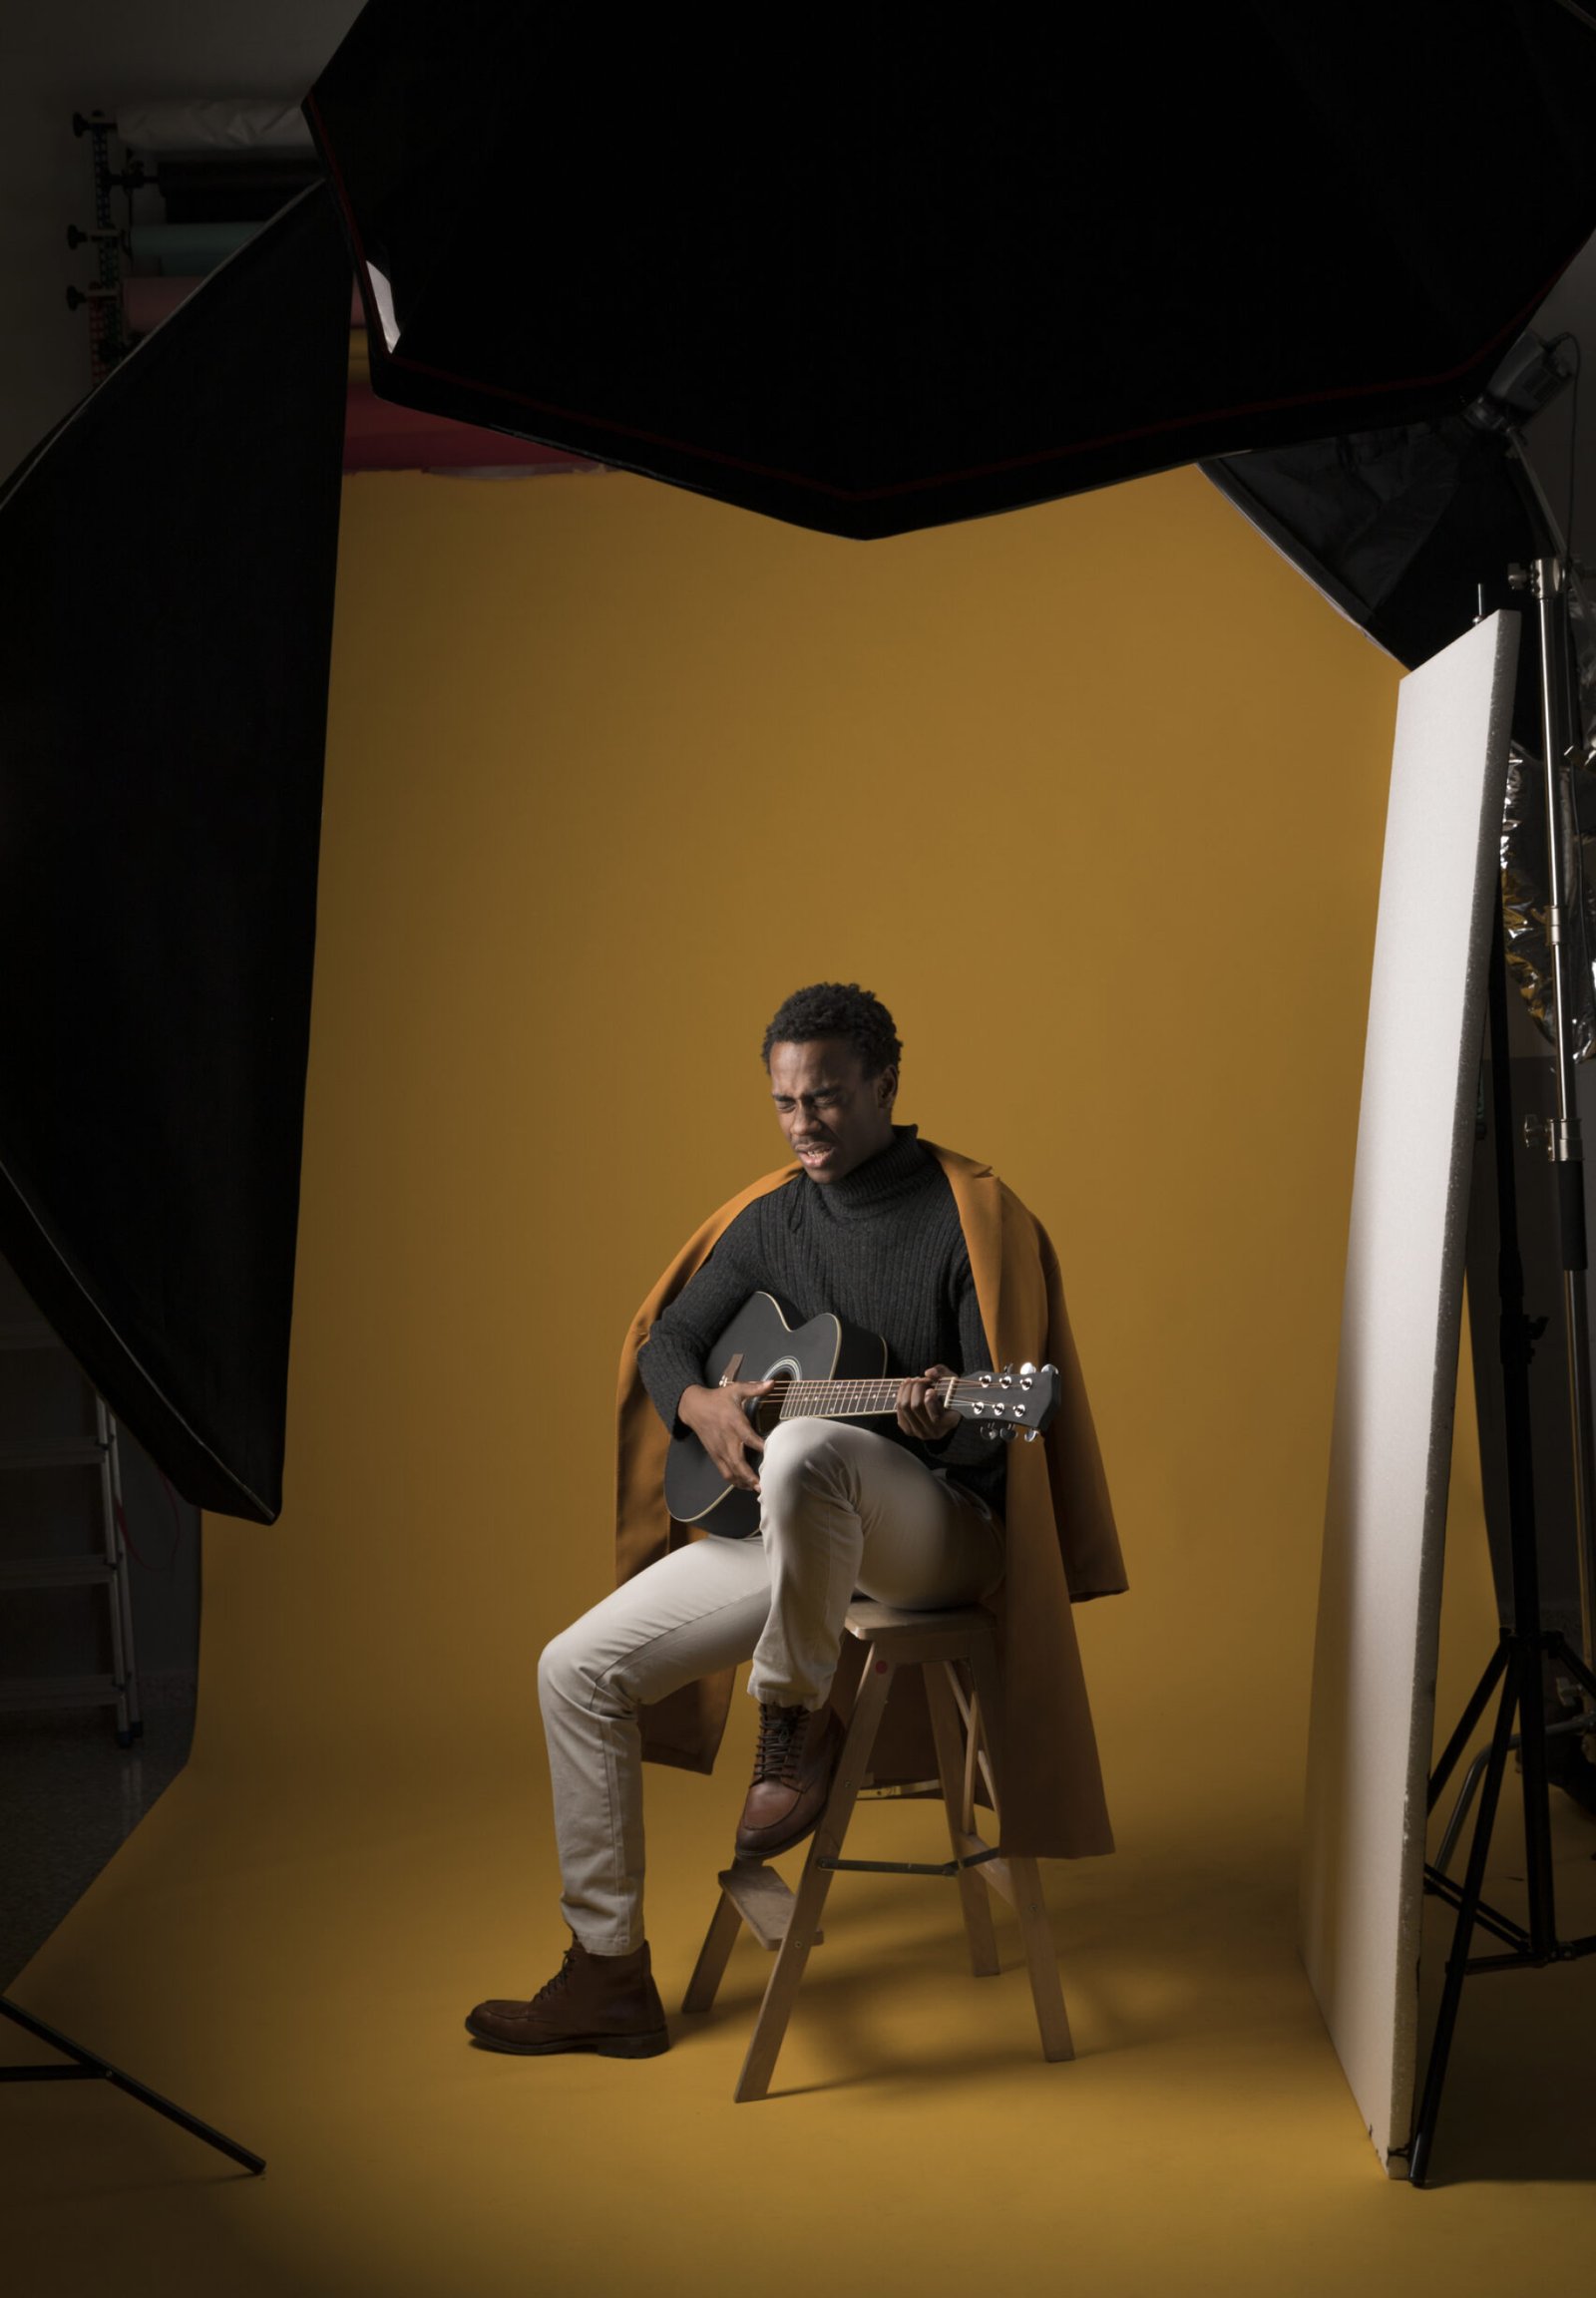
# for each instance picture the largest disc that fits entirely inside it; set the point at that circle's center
(908, 1509)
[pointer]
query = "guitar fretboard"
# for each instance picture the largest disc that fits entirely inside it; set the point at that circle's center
(850, 1399)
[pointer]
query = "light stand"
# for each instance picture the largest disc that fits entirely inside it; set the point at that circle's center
(87, 2065)
(1562, 752)
(1519, 1660)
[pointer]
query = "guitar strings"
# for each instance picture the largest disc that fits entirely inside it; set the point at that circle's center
(887, 1388)
(891, 1384)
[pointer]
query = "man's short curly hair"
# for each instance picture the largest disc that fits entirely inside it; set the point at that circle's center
(836, 1009)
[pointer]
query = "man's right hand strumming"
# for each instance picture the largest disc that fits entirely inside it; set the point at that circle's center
(719, 1419)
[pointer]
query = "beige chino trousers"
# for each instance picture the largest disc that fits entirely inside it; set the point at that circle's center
(841, 1508)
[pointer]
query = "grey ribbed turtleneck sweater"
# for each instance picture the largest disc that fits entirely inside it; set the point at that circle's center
(881, 1247)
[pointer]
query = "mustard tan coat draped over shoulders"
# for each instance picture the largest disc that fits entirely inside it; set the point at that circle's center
(1061, 1543)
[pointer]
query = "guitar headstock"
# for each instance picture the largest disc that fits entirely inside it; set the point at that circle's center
(1007, 1404)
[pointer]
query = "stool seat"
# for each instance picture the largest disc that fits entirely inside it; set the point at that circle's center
(957, 1657)
(874, 1623)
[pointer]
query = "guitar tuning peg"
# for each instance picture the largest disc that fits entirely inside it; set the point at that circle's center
(1031, 1436)
(1008, 1433)
(1008, 1368)
(1027, 1371)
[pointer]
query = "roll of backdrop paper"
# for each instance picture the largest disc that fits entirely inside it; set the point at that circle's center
(231, 186)
(218, 124)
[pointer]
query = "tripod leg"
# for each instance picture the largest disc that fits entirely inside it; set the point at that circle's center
(1465, 1725)
(90, 2062)
(1539, 1886)
(1468, 1909)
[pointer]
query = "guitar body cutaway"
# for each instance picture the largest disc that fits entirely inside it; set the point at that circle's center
(766, 1346)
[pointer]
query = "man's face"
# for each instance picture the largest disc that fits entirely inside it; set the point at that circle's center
(830, 1112)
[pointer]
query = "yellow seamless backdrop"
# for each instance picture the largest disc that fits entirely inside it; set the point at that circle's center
(1091, 795)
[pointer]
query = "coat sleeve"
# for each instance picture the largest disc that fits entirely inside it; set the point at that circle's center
(965, 1446)
(671, 1358)
(1089, 1539)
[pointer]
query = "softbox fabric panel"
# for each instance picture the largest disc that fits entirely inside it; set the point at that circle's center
(166, 569)
(886, 281)
(1401, 527)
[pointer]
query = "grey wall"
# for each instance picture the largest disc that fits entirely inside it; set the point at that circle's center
(83, 55)
(1571, 305)
(43, 1399)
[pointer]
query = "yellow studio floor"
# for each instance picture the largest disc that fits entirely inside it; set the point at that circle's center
(294, 1963)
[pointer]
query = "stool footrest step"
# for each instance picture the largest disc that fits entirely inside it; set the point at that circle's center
(976, 1854)
(908, 1866)
(763, 1901)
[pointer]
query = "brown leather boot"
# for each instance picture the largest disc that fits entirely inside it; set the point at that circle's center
(797, 1755)
(603, 2003)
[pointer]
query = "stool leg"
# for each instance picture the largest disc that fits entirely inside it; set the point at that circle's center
(977, 1761)
(1041, 1959)
(1030, 1908)
(710, 1967)
(973, 1898)
(815, 1882)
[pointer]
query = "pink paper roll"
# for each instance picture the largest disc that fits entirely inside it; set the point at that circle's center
(381, 437)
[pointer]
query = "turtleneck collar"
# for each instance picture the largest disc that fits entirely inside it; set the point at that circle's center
(892, 1174)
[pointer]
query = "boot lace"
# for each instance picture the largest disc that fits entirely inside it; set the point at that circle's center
(559, 1982)
(781, 1740)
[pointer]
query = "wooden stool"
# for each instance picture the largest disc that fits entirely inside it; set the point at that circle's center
(964, 1725)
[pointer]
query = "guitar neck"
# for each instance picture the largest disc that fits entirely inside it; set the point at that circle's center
(1025, 1401)
(842, 1400)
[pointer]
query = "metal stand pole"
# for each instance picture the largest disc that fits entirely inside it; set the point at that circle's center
(87, 2065)
(1518, 1662)
(1562, 883)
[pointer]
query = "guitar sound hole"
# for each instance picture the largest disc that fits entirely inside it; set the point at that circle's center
(765, 1413)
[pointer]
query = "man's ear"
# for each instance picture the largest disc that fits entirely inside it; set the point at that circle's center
(886, 1085)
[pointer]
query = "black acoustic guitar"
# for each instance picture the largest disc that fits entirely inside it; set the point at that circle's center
(830, 1370)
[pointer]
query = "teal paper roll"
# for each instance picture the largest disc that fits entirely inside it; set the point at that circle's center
(187, 249)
